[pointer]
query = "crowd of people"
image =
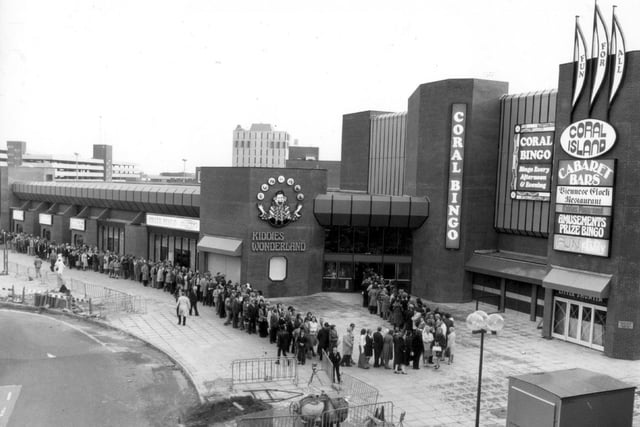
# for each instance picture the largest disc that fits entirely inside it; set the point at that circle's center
(410, 332)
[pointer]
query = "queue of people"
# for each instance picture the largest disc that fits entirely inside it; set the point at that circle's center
(410, 332)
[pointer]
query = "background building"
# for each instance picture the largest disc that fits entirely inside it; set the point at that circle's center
(100, 168)
(260, 146)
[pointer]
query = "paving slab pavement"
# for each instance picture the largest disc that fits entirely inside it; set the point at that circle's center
(205, 348)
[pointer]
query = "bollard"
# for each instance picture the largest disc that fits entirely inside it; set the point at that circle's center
(90, 308)
(23, 295)
(13, 294)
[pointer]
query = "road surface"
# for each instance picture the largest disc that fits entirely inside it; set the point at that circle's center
(59, 371)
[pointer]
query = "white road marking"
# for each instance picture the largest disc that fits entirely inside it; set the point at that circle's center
(13, 392)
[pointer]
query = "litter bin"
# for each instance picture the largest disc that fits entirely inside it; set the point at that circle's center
(567, 398)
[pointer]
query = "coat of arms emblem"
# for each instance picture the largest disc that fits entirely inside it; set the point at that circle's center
(279, 213)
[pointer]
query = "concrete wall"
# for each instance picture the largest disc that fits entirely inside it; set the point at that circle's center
(135, 240)
(229, 208)
(438, 273)
(356, 136)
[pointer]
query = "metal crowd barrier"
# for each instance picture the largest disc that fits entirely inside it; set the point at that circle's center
(245, 371)
(353, 389)
(367, 415)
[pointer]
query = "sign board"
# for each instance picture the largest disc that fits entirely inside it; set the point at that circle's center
(588, 138)
(78, 224)
(532, 161)
(45, 219)
(584, 206)
(456, 167)
(625, 324)
(17, 215)
(176, 222)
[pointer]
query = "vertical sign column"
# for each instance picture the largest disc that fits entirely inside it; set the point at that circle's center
(456, 166)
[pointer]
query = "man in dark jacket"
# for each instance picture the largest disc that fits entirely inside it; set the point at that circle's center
(323, 340)
(378, 341)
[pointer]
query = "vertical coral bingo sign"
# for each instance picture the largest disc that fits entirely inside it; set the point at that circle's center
(456, 167)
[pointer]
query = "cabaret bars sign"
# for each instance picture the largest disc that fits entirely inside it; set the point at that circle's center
(584, 202)
(456, 163)
(532, 161)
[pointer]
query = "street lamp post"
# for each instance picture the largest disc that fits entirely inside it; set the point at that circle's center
(184, 170)
(480, 322)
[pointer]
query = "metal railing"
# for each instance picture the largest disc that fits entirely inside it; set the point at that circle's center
(367, 415)
(355, 390)
(267, 369)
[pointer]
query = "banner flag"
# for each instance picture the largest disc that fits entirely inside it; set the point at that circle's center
(599, 53)
(580, 66)
(618, 52)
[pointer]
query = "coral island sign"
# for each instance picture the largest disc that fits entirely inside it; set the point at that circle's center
(588, 138)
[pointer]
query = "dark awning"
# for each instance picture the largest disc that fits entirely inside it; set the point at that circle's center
(495, 265)
(221, 245)
(581, 282)
(366, 210)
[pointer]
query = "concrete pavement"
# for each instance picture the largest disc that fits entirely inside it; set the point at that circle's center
(444, 397)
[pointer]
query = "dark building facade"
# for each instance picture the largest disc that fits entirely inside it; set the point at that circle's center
(519, 200)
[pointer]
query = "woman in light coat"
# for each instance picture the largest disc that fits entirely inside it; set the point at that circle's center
(182, 308)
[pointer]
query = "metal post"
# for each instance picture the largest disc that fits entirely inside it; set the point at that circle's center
(482, 332)
(184, 170)
(76, 154)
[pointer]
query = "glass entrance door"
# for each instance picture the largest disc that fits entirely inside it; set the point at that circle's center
(579, 322)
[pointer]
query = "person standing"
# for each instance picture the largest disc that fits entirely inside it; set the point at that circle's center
(37, 264)
(144, 271)
(347, 346)
(451, 343)
(302, 347)
(399, 351)
(193, 301)
(416, 348)
(387, 349)
(182, 308)
(378, 343)
(335, 359)
(323, 339)
(363, 362)
(282, 343)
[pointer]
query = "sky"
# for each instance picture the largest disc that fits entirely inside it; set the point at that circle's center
(163, 81)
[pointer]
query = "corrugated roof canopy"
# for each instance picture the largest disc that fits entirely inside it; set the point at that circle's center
(181, 200)
(368, 210)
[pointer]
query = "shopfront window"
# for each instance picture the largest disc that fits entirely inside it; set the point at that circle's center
(331, 237)
(391, 241)
(345, 276)
(376, 240)
(599, 321)
(345, 244)
(360, 240)
(330, 276)
(579, 322)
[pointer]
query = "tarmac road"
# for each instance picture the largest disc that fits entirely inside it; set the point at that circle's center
(57, 371)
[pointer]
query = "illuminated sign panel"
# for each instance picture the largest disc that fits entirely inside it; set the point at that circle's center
(177, 222)
(18, 215)
(78, 224)
(532, 161)
(584, 203)
(45, 219)
(456, 164)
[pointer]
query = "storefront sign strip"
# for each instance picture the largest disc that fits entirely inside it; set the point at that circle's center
(596, 173)
(176, 222)
(581, 245)
(17, 215)
(456, 167)
(78, 224)
(588, 196)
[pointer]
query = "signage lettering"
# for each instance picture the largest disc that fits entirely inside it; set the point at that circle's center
(77, 224)
(532, 161)
(456, 162)
(275, 241)
(17, 215)
(177, 222)
(45, 219)
(588, 138)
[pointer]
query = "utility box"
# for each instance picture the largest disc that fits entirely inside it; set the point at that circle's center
(568, 398)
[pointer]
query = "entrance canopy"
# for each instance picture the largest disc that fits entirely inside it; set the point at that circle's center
(221, 245)
(508, 265)
(580, 282)
(367, 210)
